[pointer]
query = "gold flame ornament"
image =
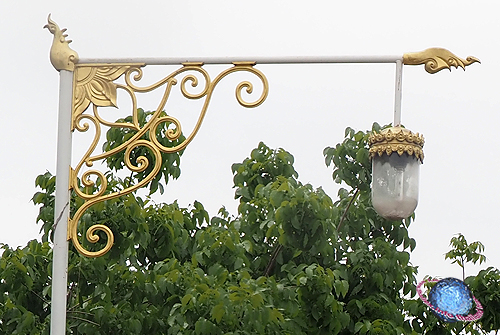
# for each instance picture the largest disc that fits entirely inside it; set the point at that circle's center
(437, 59)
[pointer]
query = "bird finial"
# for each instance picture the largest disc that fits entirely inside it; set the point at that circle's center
(62, 56)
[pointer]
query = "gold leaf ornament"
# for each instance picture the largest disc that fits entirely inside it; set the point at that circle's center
(95, 85)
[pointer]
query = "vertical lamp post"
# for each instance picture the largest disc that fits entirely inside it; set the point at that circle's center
(87, 85)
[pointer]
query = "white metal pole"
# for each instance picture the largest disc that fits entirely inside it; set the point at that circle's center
(258, 60)
(399, 93)
(62, 204)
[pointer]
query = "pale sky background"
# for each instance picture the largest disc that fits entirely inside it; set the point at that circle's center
(307, 109)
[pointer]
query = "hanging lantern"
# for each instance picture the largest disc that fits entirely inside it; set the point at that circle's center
(396, 155)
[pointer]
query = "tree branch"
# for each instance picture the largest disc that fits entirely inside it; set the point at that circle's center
(59, 217)
(347, 208)
(463, 268)
(130, 179)
(275, 254)
(84, 320)
(78, 304)
(40, 297)
(85, 313)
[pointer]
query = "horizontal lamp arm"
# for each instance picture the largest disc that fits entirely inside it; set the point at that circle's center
(256, 60)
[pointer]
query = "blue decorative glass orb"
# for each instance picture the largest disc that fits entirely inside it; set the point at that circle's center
(451, 295)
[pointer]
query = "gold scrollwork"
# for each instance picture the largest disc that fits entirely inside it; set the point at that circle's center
(94, 86)
(437, 59)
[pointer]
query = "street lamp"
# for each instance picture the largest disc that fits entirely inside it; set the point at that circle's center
(86, 85)
(396, 155)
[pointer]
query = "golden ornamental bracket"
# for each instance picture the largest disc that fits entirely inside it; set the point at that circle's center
(95, 86)
(62, 56)
(437, 59)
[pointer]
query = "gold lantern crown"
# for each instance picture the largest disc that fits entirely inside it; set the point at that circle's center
(396, 139)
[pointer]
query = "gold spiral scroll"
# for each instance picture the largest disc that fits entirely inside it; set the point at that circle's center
(95, 87)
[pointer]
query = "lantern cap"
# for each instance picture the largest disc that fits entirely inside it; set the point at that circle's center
(396, 139)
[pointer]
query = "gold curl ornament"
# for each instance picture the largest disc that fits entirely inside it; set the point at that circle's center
(396, 139)
(93, 238)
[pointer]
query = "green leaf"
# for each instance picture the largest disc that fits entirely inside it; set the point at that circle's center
(238, 263)
(341, 287)
(358, 326)
(276, 198)
(186, 299)
(217, 312)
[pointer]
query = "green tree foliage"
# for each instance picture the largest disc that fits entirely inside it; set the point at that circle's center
(462, 252)
(485, 287)
(291, 261)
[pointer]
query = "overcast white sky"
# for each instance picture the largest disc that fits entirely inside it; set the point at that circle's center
(308, 106)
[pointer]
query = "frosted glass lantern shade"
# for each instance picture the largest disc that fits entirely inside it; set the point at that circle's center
(395, 185)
